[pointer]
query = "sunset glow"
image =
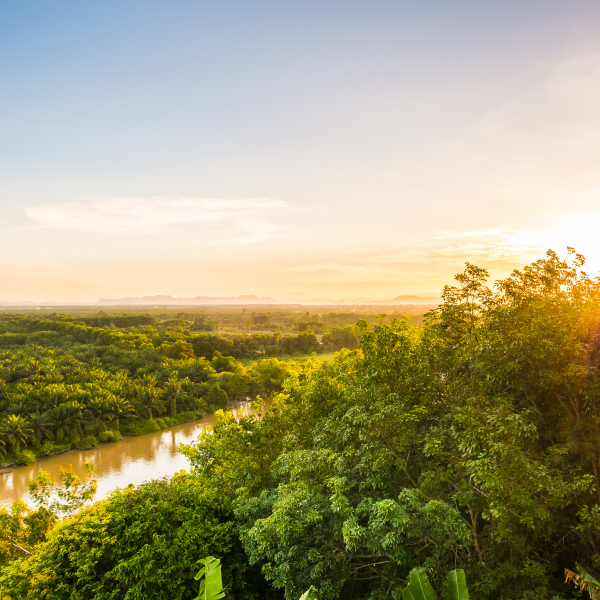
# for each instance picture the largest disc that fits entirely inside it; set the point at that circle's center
(299, 152)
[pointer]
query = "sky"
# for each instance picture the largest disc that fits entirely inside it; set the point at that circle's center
(296, 150)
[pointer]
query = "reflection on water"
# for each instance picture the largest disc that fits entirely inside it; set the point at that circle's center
(134, 460)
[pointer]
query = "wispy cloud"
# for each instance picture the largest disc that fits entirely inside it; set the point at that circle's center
(155, 215)
(499, 249)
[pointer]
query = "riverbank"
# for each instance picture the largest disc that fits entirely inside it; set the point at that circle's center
(133, 460)
(30, 455)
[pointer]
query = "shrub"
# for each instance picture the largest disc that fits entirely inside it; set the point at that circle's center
(46, 449)
(143, 426)
(140, 427)
(26, 457)
(110, 435)
(89, 441)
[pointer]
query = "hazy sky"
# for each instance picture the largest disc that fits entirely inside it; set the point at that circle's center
(292, 149)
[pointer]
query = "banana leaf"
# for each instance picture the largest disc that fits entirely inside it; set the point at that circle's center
(418, 587)
(457, 585)
(211, 584)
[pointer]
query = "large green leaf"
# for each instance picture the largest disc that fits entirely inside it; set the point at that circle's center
(457, 585)
(310, 594)
(418, 587)
(211, 585)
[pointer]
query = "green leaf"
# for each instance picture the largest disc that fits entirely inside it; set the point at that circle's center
(310, 594)
(418, 587)
(586, 576)
(211, 585)
(457, 585)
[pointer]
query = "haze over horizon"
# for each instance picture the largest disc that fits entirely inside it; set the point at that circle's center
(295, 151)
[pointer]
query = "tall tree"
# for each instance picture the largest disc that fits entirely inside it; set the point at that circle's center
(151, 402)
(42, 425)
(172, 390)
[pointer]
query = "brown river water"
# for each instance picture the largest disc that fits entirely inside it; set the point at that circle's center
(133, 460)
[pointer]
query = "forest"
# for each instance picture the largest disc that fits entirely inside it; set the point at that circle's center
(76, 381)
(470, 442)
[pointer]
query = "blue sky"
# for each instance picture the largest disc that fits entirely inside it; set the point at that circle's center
(297, 150)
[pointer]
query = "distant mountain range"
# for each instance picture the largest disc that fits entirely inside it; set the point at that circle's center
(235, 300)
(163, 300)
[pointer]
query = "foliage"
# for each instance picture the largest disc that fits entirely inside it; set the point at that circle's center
(110, 435)
(139, 543)
(16, 431)
(340, 337)
(471, 442)
(89, 441)
(143, 426)
(584, 581)
(66, 378)
(211, 585)
(270, 374)
(418, 587)
(469, 445)
(48, 448)
(25, 457)
(22, 529)
(310, 594)
(76, 491)
(457, 585)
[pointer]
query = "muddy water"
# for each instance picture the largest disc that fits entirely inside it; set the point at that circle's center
(133, 460)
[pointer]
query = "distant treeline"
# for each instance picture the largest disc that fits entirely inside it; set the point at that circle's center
(284, 321)
(176, 338)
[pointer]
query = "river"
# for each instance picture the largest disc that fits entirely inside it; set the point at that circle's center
(133, 460)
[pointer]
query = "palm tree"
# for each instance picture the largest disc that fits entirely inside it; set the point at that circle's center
(53, 376)
(150, 400)
(33, 367)
(173, 390)
(19, 406)
(17, 431)
(54, 395)
(67, 419)
(99, 413)
(119, 385)
(98, 375)
(42, 426)
(120, 408)
(149, 381)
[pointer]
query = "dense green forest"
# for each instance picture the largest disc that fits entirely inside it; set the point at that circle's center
(69, 380)
(472, 442)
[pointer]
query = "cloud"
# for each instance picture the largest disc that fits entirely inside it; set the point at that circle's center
(155, 215)
(455, 247)
(440, 256)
